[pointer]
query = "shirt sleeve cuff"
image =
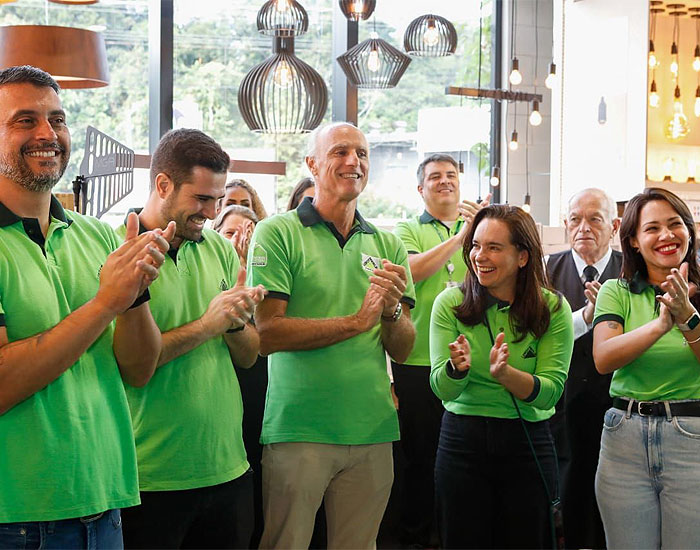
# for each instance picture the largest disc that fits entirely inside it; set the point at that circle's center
(608, 317)
(535, 390)
(145, 297)
(453, 373)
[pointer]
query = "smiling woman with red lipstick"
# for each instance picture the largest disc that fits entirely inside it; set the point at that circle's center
(647, 331)
(500, 346)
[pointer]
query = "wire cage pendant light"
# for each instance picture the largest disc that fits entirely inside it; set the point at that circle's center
(282, 95)
(355, 10)
(282, 18)
(374, 64)
(430, 36)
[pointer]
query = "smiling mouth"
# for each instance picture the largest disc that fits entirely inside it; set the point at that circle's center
(482, 269)
(351, 176)
(43, 154)
(668, 249)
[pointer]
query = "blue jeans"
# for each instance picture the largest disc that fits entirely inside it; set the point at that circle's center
(648, 481)
(91, 533)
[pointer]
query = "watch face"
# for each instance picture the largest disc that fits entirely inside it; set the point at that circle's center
(693, 321)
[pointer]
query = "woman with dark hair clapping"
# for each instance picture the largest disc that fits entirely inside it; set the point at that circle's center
(647, 332)
(500, 346)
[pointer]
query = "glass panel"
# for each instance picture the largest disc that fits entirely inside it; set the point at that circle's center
(406, 123)
(121, 109)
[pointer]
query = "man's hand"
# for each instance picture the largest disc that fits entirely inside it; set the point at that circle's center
(460, 354)
(591, 293)
(391, 284)
(499, 356)
(371, 309)
(129, 270)
(467, 210)
(232, 308)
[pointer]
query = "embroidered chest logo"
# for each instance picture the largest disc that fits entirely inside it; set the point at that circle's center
(223, 286)
(370, 263)
(529, 353)
(259, 258)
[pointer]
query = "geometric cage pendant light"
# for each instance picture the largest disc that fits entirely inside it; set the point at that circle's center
(282, 95)
(355, 10)
(282, 18)
(374, 64)
(430, 36)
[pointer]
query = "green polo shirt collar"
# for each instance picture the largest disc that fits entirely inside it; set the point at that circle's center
(493, 301)
(639, 284)
(426, 217)
(309, 216)
(8, 217)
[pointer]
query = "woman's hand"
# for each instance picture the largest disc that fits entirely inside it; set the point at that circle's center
(241, 240)
(499, 357)
(460, 354)
(677, 295)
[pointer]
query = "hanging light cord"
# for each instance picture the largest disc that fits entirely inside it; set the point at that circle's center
(512, 29)
(537, 40)
(481, 29)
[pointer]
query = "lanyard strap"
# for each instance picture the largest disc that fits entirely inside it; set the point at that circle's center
(449, 266)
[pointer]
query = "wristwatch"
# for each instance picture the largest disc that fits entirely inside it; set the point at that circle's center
(395, 316)
(692, 322)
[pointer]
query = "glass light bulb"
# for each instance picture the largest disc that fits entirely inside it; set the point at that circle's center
(696, 109)
(526, 208)
(535, 118)
(653, 99)
(283, 76)
(652, 60)
(696, 64)
(677, 127)
(431, 36)
(550, 80)
(515, 77)
(494, 181)
(674, 67)
(373, 62)
(513, 145)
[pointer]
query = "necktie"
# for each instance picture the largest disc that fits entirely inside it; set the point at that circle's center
(589, 274)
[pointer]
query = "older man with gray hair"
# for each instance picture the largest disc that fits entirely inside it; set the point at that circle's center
(591, 223)
(339, 297)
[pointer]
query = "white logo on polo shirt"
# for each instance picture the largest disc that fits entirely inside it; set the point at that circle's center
(259, 256)
(370, 263)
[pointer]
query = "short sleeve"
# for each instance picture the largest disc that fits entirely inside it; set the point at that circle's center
(401, 258)
(608, 305)
(269, 259)
(405, 232)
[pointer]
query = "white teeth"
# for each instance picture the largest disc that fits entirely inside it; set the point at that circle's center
(351, 176)
(42, 154)
(487, 269)
(668, 248)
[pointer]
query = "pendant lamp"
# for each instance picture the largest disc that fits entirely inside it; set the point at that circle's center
(374, 64)
(282, 18)
(356, 10)
(430, 36)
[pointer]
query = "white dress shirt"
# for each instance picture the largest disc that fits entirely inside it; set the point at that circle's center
(580, 326)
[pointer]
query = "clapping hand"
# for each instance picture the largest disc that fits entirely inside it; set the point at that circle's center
(460, 354)
(498, 357)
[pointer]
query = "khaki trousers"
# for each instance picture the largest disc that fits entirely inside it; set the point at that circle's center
(355, 481)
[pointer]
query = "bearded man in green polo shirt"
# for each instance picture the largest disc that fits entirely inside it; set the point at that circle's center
(339, 298)
(434, 241)
(67, 457)
(196, 484)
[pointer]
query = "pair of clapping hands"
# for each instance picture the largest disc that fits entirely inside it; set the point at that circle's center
(461, 357)
(675, 306)
(386, 288)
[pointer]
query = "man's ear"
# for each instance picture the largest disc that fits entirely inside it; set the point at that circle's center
(616, 226)
(311, 164)
(164, 186)
(420, 189)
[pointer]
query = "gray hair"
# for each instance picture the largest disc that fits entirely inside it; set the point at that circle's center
(609, 205)
(435, 157)
(313, 136)
(26, 74)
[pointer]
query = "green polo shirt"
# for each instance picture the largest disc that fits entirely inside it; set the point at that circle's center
(478, 393)
(187, 419)
(338, 394)
(669, 368)
(419, 235)
(67, 451)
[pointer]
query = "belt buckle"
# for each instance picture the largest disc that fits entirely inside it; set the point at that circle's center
(650, 408)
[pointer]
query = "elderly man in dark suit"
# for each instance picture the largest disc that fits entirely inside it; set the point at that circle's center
(591, 224)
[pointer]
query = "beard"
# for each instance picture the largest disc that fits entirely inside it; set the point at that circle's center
(15, 168)
(182, 230)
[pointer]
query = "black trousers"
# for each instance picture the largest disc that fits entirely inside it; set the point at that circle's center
(489, 491)
(420, 412)
(220, 516)
(583, 527)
